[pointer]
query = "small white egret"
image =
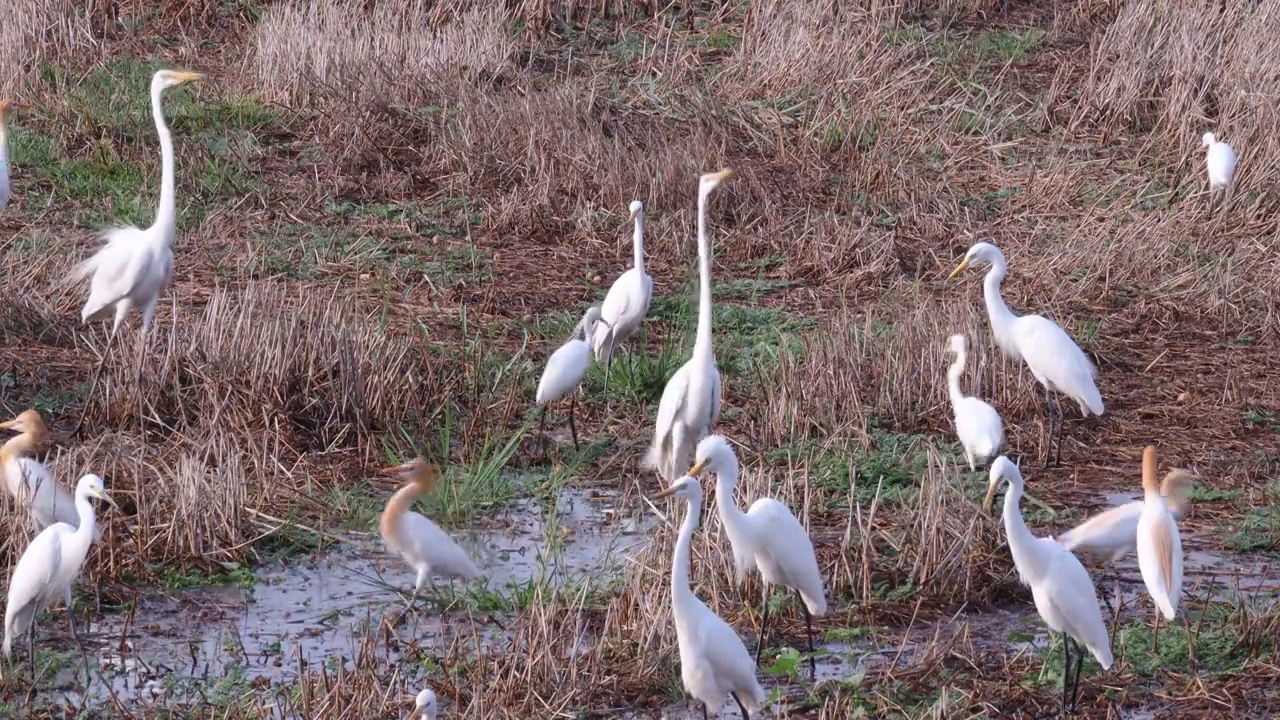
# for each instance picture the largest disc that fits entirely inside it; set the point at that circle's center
(1052, 356)
(133, 267)
(1113, 534)
(713, 661)
(421, 543)
(565, 369)
(424, 706)
(48, 568)
(626, 304)
(977, 423)
(690, 404)
(6, 107)
(29, 482)
(1220, 160)
(768, 538)
(1159, 546)
(1061, 587)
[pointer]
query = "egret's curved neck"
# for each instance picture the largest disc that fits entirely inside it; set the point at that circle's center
(637, 241)
(1022, 544)
(397, 506)
(83, 535)
(1001, 317)
(166, 215)
(681, 593)
(953, 378)
(735, 521)
(702, 345)
(19, 446)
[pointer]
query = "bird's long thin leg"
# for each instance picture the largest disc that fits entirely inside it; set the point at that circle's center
(764, 623)
(704, 711)
(608, 370)
(1066, 669)
(1155, 633)
(808, 626)
(31, 648)
(1048, 404)
(1057, 446)
(1075, 682)
(741, 707)
(573, 402)
(542, 434)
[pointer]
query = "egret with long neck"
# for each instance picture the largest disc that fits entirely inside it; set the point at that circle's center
(27, 479)
(1159, 546)
(627, 303)
(423, 545)
(978, 425)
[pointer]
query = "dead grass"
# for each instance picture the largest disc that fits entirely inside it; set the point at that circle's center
(38, 32)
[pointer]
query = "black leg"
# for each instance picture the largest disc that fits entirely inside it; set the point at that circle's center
(764, 623)
(31, 649)
(573, 402)
(1048, 404)
(1075, 684)
(1057, 446)
(542, 435)
(704, 711)
(741, 707)
(808, 626)
(1066, 669)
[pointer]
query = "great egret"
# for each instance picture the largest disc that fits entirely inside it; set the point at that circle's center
(977, 423)
(1159, 545)
(690, 403)
(565, 369)
(1053, 357)
(1063, 593)
(424, 706)
(49, 566)
(6, 106)
(422, 544)
(627, 303)
(1220, 160)
(767, 537)
(713, 661)
(29, 481)
(133, 268)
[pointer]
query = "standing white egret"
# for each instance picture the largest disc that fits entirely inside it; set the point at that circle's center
(977, 423)
(1220, 161)
(1159, 546)
(713, 661)
(424, 706)
(690, 403)
(6, 107)
(1061, 587)
(48, 568)
(768, 538)
(421, 543)
(565, 369)
(133, 267)
(29, 482)
(1052, 356)
(626, 304)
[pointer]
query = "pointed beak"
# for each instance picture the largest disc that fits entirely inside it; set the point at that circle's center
(959, 269)
(697, 469)
(9, 424)
(394, 470)
(184, 76)
(991, 495)
(103, 496)
(722, 175)
(665, 493)
(418, 712)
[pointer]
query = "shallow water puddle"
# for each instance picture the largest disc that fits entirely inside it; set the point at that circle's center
(183, 645)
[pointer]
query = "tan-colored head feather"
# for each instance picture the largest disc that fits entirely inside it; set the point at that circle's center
(421, 477)
(1176, 489)
(1149, 481)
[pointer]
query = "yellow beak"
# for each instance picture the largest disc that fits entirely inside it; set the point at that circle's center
(991, 494)
(103, 496)
(722, 175)
(184, 76)
(697, 469)
(9, 424)
(665, 493)
(963, 264)
(418, 712)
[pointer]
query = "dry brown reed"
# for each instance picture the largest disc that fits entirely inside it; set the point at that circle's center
(37, 33)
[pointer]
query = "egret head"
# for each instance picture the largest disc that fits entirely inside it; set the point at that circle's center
(7, 106)
(28, 421)
(164, 79)
(959, 344)
(714, 454)
(1002, 470)
(637, 209)
(686, 488)
(424, 706)
(91, 486)
(983, 253)
(416, 471)
(1176, 489)
(587, 325)
(711, 181)
(1208, 140)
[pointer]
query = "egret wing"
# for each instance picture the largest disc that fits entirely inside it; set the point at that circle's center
(790, 549)
(1073, 596)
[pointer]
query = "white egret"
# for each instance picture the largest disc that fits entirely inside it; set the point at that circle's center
(565, 369)
(768, 538)
(1113, 534)
(977, 423)
(626, 304)
(424, 706)
(690, 403)
(421, 543)
(29, 482)
(1062, 590)
(1220, 161)
(1052, 356)
(48, 568)
(1159, 545)
(713, 661)
(133, 268)
(6, 106)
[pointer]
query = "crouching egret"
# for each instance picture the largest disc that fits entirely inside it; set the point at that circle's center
(1159, 545)
(977, 423)
(421, 543)
(424, 706)
(626, 304)
(713, 661)
(29, 481)
(6, 106)
(1062, 590)
(1220, 161)
(565, 369)
(48, 568)
(768, 538)
(690, 403)
(1053, 357)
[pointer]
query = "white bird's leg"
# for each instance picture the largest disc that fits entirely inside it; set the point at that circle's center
(808, 626)
(1048, 403)
(764, 622)
(1155, 631)
(424, 575)
(542, 433)
(1066, 669)
(969, 456)
(1075, 684)
(573, 428)
(741, 707)
(71, 613)
(704, 711)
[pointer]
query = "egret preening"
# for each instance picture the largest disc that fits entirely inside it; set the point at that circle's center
(977, 423)
(424, 706)
(626, 304)
(1053, 357)
(1063, 593)
(421, 543)
(1220, 161)
(1112, 534)
(1159, 545)
(690, 402)
(29, 482)
(6, 106)
(768, 538)
(48, 568)
(565, 369)
(713, 661)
